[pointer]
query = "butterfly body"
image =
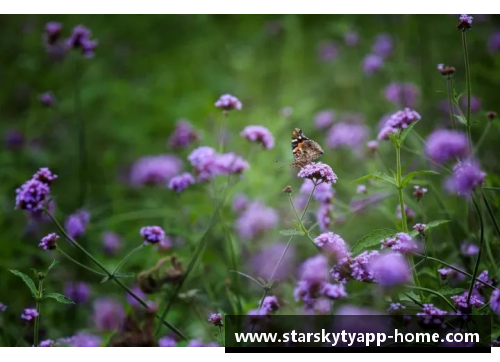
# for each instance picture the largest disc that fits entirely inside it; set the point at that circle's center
(304, 149)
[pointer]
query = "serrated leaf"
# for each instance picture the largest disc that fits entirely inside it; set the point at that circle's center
(51, 266)
(61, 298)
(451, 291)
(377, 176)
(414, 174)
(290, 232)
(372, 239)
(105, 279)
(406, 132)
(435, 223)
(27, 280)
(460, 118)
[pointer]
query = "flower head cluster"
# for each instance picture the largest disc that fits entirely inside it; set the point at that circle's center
(323, 215)
(383, 46)
(78, 292)
(466, 176)
(49, 242)
(431, 316)
(390, 269)
(108, 314)
(410, 214)
(401, 242)
(166, 341)
(85, 340)
(469, 249)
(420, 228)
(372, 64)
(80, 39)
(47, 99)
(32, 195)
(155, 170)
(207, 163)
(402, 94)
(445, 145)
(398, 121)
(475, 104)
(419, 192)
(228, 102)
(270, 304)
(111, 242)
(394, 308)
(495, 301)
(446, 70)
(483, 276)
(183, 135)
(333, 245)
(29, 314)
(328, 51)
(200, 343)
(152, 234)
(345, 134)
(263, 262)
(324, 192)
(3, 307)
(324, 119)
(215, 319)
(465, 22)
(360, 266)
(47, 343)
(494, 42)
(318, 172)
(76, 223)
(259, 134)
(255, 220)
(181, 182)
(461, 301)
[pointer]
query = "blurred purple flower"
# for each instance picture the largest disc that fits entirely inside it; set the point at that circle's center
(85, 340)
(3, 307)
(395, 307)
(494, 42)
(111, 242)
(31, 195)
(465, 22)
(166, 341)
(398, 121)
(45, 175)
(318, 172)
(47, 99)
(183, 135)
(314, 269)
(390, 269)
(420, 228)
(270, 304)
(240, 203)
(401, 242)
(430, 315)
(372, 64)
(265, 260)
(230, 163)
(256, 219)
(108, 314)
(228, 102)
(469, 249)
(410, 214)
(259, 134)
(14, 139)
(181, 182)
(461, 301)
(29, 314)
(361, 189)
(80, 39)
(323, 216)
(419, 192)
(49, 242)
(382, 46)
(351, 38)
(324, 119)
(350, 135)
(155, 170)
(78, 292)
(402, 94)
(76, 223)
(200, 343)
(47, 343)
(324, 192)
(372, 145)
(359, 266)
(465, 178)
(132, 301)
(475, 104)
(333, 245)
(215, 319)
(152, 234)
(53, 31)
(328, 51)
(207, 163)
(495, 301)
(444, 145)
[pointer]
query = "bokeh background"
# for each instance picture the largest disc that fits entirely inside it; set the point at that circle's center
(148, 72)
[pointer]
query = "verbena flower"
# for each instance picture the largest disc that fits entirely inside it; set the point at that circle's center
(80, 39)
(111, 242)
(420, 228)
(324, 192)
(318, 172)
(401, 242)
(431, 316)
(85, 340)
(228, 102)
(446, 70)
(14, 139)
(333, 245)
(255, 220)
(361, 189)
(410, 214)
(215, 319)
(108, 314)
(47, 99)
(333, 291)
(76, 223)
(29, 314)
(398, 121)
(351, 38)
(263, 263)
(3, 307)
(314, 269)
(230, 164)
(45, 175)
(390, 269)
(47, 343)
(419, 192)
(402, 94)
(483, 276)
(181, 182)
(372, 145)
(323, 216)
(465, 178)
(324, 119)
(344, 134)
(207, 163)
(78, 292)
(495, 301)
(240, 203)
(32, 195)
(360, 266)
(469, 249)
(270, 304)
(461, 301)
(53, 31)
(328, 51)
(394, 308)
(183, 135)
(383, 45)
(475, 104)
(372, 64)
(259, 134)
(494, 42)
(155, 170)
(152, 234)
(465, 22)
(49, 242)
(166, 341)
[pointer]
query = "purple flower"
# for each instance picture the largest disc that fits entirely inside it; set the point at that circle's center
(181, 182)
(461, 301)
(78, 292)
(111, 242)
(324, 119)
(166, 341)
(260, 135)
(402, 94)
(240, 203)
(469, 249)
(401, 242)
(383, 46)
(203, 160)
(495, 301)
(372, 64)
(47, 343)
(53, 31)
(465, 22)
(494, 42)
(361, 189)
(183, 135)
(324, 192)
(14, 139)
(29, 314)
(445, 145)
(270, 304)
(410, 214)
(264, 261)
(359, 266)
(79, 34)
(3, 307)
(200, 343)
(350, 135)
(45, 175)
(76, 223)
(323, 216)
(446, 70)
(256, 219)
(318, 172)
(465, 178)
(155, 170)
(485, 278)
(32, 195)
(351, 38)
(372, 145)
(49, 242)
(152, 234)
(431, 316)
(333, 245)
(328, 51)
(390, 269)
(228, 102)
(134, 303)
(420, 228)
(230, 163)
(419, 192)
(333, 291)
(85, 340)
(108, 314)
(398, 121)
(47, 99)
(395, 307)
(314, 269)
(215, 319)
(475, 104)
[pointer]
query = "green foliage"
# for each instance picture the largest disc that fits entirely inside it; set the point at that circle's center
(406, 180)
(61, 298)
(377, 176)
(27, 280)
(372, 239)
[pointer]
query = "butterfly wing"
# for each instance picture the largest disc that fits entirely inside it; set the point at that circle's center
(306, 152)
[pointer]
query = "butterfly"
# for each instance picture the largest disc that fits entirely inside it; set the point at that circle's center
(304, 149)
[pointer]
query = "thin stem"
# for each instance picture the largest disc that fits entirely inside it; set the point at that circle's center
(468, 82)
(58, 249)
(221, 337)
(82, 148)
(124, 260)
(450, 101)
(222, 134)
(490, 188)
(433, 292)
(483, 137)
(400, 190)
(490, 211)
(38, 311)
(481, 242)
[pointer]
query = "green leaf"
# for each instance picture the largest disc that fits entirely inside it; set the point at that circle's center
(372, 239)
(394, 139)
(52, 265)
(61, 298)
(414, 174)
(248, 277)
(429, 226)
(406, 132)
(290, 232)
(378, 176)
(27, 280)
(105, 279)
(451, 291)
(460, 118)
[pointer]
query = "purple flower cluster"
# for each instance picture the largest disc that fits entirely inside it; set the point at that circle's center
(494, 42)
(465, 22)
(372, 64)
(398, 121)
(76, 223)
(32, 195)
(255, 220)
(420, 228)
(351, 38)
(431, 316)
(390, 269)
(265, 260)
(333, 245)
(360, 266)
(215, 319)
(47, 343)
(469, 249)
(240, 203)
(108, 314)
(29, 314)
(349, 135)
(328, 51)
(419, 192)
(383, 46)
(78, 292)
(181, 182)
(49, 242)
(85, 340)
(324, 192)
(152, 234)
(200, 343)
(3, 307)
(111, 242)
(228, 102)
(402, 94)
(495, 301)
(259, 134)
(47, 99)
(166, 341)
(318, 172)
(401, 242)
(324, 119)
(323, 215)
(207, 163)
(183, 135)
(155, 170)
(466, 176)
(80, 39)
(270, 304)
(475, 104)
(410, 214)
(461, 301)
(394, 308)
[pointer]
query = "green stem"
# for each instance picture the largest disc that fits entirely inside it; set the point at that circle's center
(38, 310)
(221, 337)
(468, 82)
(400, 190)
(433, 292)
(124, 260)
(490, 211)
(483, 137)
(58, 249)
(481, 242)
(450, 101)
(223, 131)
